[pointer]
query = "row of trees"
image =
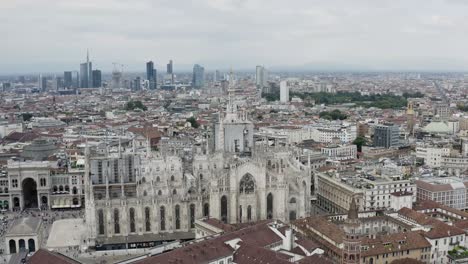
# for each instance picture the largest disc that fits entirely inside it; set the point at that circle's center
(133, 105)
(375, 100)
(333, 115)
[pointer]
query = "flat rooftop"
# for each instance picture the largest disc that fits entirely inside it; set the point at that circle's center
(66, 233)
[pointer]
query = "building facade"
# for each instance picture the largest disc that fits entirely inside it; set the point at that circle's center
(143, 199)
(386, 136)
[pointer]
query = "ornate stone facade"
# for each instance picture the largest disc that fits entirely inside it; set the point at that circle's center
(141, 199)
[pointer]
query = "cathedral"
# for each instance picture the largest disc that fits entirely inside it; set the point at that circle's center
(143, 198)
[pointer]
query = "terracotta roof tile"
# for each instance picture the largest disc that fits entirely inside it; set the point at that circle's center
(44, 256)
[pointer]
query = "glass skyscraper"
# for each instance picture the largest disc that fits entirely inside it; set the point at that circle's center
(198, 79)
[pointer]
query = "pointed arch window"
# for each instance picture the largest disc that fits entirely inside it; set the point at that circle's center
(247, 184)
(116, 221)
(101, 221)
(177, 217)
(132, 220)
(147, 219)
(162, 217)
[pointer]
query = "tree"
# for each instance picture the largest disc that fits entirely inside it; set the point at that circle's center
(193, 122)
(333, 115)
(132, 105)
(359, 142)
(27, 116)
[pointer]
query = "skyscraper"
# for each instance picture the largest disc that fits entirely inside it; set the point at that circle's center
(151, 75)
(57, 84)
(170, 71)
(67, 79)
(137, 84)
(261, 76)
(42, 83)
(86, 70)
(284, 92)
(169, 67)
(97, 79)
(76, 80)
(217, 76)
(198, 79)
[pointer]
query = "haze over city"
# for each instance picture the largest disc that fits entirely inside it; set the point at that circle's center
(50, 35)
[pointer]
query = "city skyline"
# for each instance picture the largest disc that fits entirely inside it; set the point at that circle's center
(308, 35)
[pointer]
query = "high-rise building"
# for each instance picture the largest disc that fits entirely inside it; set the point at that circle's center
(198, 80)
(97, 79)
(76, 80)
(169, 67)
(151, 75)
(42, 83)
(67, 79)
(57, 84)
(386, 136)
(170, 71)
(136, 84)
(261, 76)
(284, 92)
(216, 76)
(86, 73)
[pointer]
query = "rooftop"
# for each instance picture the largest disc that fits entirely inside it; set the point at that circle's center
(25, 226)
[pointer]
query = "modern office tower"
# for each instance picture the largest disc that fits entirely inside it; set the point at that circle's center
(58, 83)
(86, 70)
(42, 83)
(284, 92)
(151, 75)
(198, 79)
(261, 76)
(97, 79)
(67, 79)
(169, 67)
(170, 71)
(76, 80)
(22, 79)
(137, 84)
(386, 135)
(216, 76)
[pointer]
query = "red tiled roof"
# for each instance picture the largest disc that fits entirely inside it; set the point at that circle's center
(407, 261)
(248, 254)
(44, 256)
(439, 229)
(205, 251)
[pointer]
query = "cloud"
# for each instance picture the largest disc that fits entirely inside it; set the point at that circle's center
(52, 35)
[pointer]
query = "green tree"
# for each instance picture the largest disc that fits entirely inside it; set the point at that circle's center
(193, 122)
(333, 115)
(359, 142)
(26, 116)
(132, 105)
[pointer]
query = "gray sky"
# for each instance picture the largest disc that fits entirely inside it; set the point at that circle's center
(52, 35)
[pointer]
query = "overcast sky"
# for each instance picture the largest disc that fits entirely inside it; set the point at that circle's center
(52, 35)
